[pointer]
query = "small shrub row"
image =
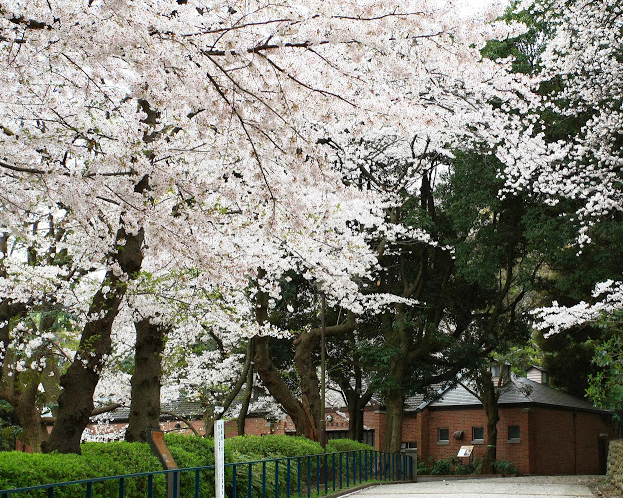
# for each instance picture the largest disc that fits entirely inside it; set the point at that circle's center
(455, 466)
(120, 458)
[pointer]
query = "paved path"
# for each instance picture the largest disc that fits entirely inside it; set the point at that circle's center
(518, 487)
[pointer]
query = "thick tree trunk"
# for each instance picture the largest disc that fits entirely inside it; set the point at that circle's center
(145, 391)
(25, 408)
(244, 409)
(305, 345)
(211, 416)
(393, 429)
(75, 402)
(489, 400)
(272, 380)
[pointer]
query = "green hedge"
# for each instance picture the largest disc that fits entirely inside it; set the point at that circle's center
(98, 459)
(119, 458)
(272, 446)
(337, 445)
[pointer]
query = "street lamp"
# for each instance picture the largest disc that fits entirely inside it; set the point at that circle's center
(323, 360)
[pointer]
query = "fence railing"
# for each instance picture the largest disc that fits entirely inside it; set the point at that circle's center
(300, 477)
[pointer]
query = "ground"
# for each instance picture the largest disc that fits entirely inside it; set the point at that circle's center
(599, 485)
(496, 487)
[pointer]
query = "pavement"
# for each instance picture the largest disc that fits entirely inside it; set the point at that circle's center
(518, 487)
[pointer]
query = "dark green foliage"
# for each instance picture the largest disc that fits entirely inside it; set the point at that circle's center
(505, 467)
(9, 429)
(120, 458)
(97, 459)
(273, 446)
(605, 387)
(337, 445)
(459, 466)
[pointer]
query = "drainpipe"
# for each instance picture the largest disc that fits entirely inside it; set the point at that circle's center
(575, 443)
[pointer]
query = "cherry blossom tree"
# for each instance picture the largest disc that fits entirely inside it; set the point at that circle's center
(584, 165)
(192, 131)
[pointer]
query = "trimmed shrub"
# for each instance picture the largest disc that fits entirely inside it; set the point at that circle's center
(504, 467)
(273, 446)
(97, 460)
(254, 448)
(337, 445)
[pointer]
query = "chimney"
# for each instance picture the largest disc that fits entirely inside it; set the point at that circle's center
(498, 370)
(538, 375)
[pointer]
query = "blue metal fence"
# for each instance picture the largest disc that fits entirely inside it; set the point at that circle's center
(300, 477)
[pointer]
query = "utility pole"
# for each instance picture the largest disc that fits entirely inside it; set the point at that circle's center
(323, 366)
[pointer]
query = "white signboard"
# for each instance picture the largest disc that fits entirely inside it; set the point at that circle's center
(219, 458)
(465, 451)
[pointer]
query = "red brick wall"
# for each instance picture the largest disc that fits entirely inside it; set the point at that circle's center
(464, 420)
(551, 441)
(255, 426)
(567, 442)
(375, 419)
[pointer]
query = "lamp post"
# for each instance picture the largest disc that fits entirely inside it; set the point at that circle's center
(323, 360)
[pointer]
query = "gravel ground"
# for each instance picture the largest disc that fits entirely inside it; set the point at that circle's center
(599, 485)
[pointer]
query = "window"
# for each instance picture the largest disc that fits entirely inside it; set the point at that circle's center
(443, 436)
(514, 433)
(478, 435)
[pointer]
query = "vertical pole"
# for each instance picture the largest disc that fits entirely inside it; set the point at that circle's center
(219, 459)
(323, 367)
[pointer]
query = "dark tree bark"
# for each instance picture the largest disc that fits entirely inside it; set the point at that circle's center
(25, 408)
(229, 398)
(272, 380)
(145, 383)
(246, 401)
(75, 402)
(356, 401)
(485, 390)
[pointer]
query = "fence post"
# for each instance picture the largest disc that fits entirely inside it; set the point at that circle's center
(412, 453)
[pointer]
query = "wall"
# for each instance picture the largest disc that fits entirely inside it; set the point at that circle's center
(464, 419)
(615, 463)
(568, 442)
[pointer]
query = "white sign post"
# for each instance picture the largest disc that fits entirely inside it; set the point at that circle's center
(219, 458)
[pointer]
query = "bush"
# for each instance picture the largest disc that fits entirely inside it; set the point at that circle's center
(505, 467)
(273, 446)
(337, 445)
(254, 448)
(455, 466)
(121, 458)
(97, 460)
(443, 466)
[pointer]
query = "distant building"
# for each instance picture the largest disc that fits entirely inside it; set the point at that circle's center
(541, 430)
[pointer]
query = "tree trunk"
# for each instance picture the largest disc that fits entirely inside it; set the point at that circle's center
(305, 346)
(273, 381)
(489, 400)
(25, 408)
(75, 402)
(145, 391)
(244, 409)
(211, 416)
(393, 429)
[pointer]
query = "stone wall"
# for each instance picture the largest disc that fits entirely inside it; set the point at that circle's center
(615, 463)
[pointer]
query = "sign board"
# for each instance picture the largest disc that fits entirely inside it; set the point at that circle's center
(155, 437)
(156, 441)
(465, 451)
(219, 458)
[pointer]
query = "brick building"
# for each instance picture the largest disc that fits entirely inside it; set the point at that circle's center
(541, 430)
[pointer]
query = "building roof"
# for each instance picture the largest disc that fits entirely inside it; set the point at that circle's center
(170, 410)
(519, 390)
